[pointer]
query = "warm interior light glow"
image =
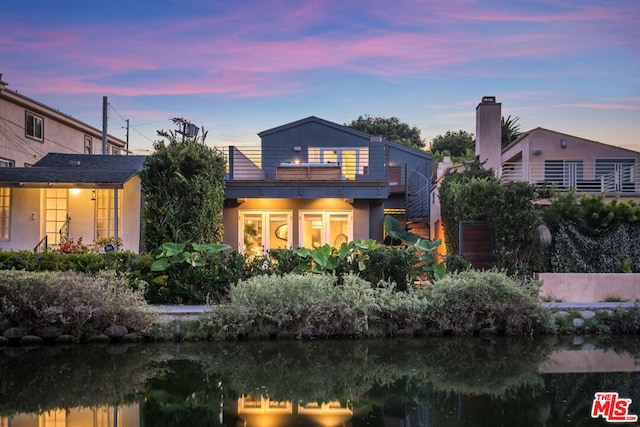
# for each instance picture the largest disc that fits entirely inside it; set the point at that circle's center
(75, 191)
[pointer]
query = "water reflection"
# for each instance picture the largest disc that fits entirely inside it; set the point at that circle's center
(417, 382)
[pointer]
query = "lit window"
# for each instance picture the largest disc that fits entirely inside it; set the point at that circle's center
(262, 231)
(56, 215)
(5, 210)
(319, 228)
(353, 161)
(105, 214)
(34, 127)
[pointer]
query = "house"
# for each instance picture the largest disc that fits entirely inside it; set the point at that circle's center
(30, 129)
(313, 182)
(66, 196)
(551, 159)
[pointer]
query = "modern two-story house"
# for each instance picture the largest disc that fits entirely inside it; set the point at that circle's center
(29, 130)
(313, 182)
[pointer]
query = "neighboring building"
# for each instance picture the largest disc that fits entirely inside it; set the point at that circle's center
(73, 196)
(548, 158)
(565, 162)
(313, 182)
(29, 130)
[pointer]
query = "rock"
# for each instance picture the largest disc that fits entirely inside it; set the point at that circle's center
(405, 332)
(578, 340)
(4, 341)
(100, 339)
(587, 314)
(578, 323)
(561, 313)
(14, 333)
(272, 329)
(31, 341)
(588, 346)
(116, 331)
(49, 332)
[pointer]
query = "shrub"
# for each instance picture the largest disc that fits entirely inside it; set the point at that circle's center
(310, 305)
(82, 305)
(466, 302)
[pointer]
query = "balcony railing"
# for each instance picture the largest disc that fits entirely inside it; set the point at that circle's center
(247, 163)
(587, 177)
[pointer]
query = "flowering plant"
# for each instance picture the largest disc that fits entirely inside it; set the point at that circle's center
(73, 247)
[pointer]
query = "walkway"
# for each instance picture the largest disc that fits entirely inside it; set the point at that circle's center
(190, 312)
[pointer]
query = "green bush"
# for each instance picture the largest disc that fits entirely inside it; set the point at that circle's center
(310, 305)
(83, 305)
(313, 306)
(392, 264)
(464, 303)
(476, 194)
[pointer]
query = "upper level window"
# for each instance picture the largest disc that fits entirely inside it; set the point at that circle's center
(353, 160)
(5, 163)
(115, 151)
(34, 126)
(88, 145)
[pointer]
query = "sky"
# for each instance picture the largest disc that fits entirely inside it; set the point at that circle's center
(238, 67)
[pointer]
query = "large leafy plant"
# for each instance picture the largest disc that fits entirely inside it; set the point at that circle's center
(176, 253)
(427, 261)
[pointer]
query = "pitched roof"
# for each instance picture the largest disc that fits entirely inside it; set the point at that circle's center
(78, 170)
(314, 119)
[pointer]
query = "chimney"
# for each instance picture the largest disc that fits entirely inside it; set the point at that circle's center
(489, 133)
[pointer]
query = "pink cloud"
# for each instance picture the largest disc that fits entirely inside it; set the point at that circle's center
(599, 106)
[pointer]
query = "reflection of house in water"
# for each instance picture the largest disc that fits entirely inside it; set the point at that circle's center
(101, 416)
(263, 412)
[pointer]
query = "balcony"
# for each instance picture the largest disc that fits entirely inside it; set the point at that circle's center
(303, 172)
(610, 177)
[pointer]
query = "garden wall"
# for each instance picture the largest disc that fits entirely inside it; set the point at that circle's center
(590, 287)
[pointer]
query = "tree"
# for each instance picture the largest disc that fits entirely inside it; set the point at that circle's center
(457, 144)
(183, 189)
(391, 129)
(476, 194)
(510, 130)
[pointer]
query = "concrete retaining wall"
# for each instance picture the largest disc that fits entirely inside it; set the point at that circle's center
(590, 287)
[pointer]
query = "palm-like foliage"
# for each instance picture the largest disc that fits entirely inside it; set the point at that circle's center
(510, 130)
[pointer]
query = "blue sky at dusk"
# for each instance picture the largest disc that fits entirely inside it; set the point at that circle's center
(241, 67)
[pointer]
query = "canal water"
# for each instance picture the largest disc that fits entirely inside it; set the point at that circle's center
(550, 381)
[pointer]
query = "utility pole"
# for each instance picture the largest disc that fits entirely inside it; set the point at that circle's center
(105, 104)
(188, 128)
(126, 150)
